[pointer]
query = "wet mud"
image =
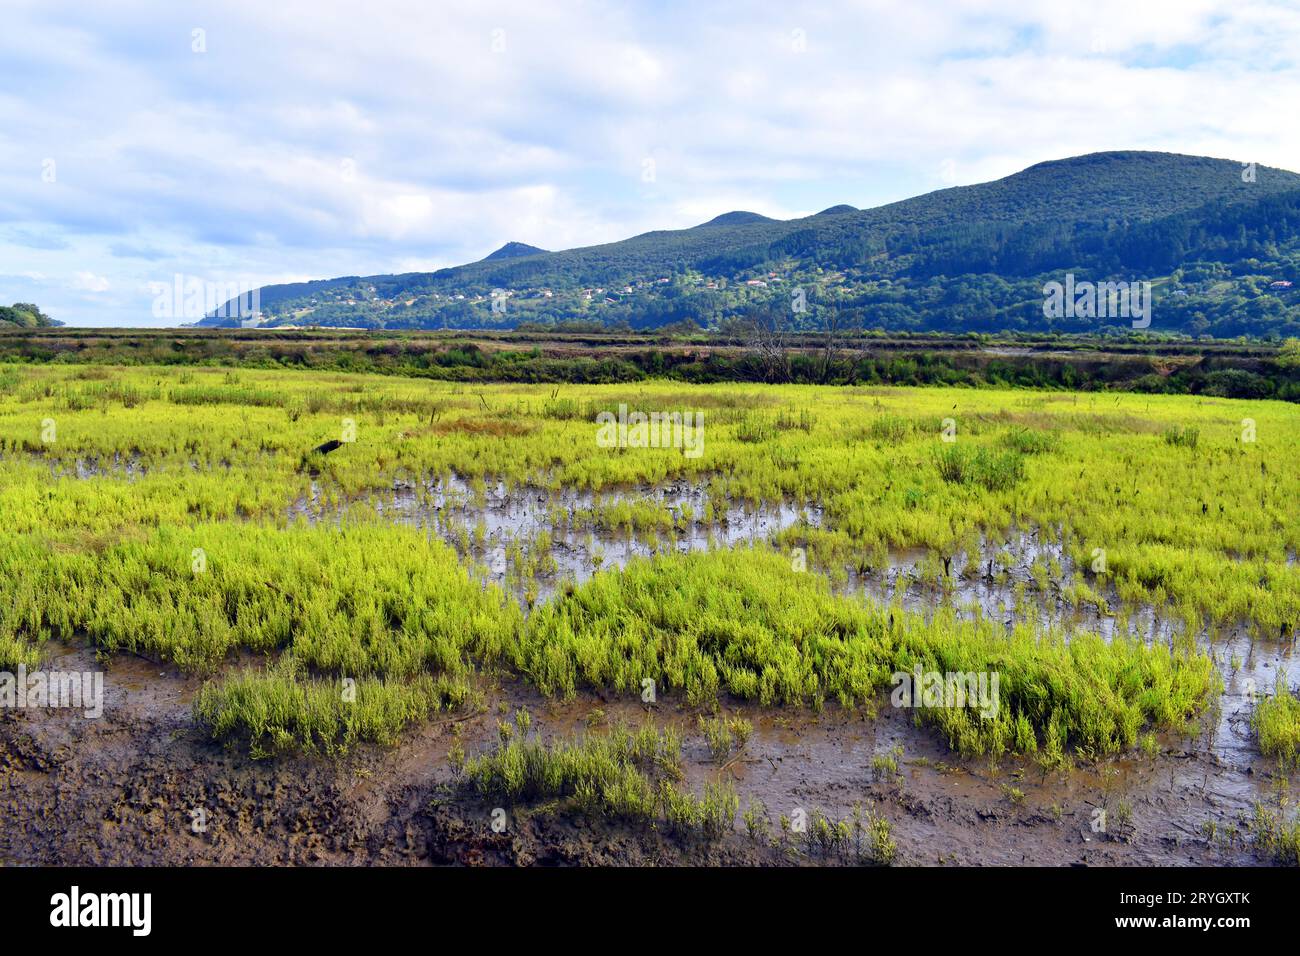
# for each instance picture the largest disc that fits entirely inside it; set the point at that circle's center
(142, 785)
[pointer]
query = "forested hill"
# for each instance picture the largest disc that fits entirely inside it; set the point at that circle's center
(24, 315)
(1220, 241)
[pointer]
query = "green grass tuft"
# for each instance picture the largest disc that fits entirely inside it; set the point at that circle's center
(1277, 724)
(282, 710)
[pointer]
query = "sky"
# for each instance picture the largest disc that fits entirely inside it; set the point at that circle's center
(252, 142)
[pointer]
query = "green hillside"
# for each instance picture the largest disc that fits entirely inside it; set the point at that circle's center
(1218, 246)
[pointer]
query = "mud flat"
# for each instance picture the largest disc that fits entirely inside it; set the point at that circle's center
(140, 785)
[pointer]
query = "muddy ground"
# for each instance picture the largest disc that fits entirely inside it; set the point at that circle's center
(141, 785)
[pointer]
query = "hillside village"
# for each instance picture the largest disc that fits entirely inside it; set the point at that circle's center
(1185, 300)
(1222, 258)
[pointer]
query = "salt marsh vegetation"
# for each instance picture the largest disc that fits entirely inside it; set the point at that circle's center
(286, 533)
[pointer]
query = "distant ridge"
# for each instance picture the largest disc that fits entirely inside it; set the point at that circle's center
(1218, 240)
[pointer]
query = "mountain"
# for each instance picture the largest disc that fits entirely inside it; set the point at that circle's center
(1217, 239)
(738, 218)
(512, 250)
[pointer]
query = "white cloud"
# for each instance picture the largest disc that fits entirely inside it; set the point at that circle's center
(317, 138)
(89, 282)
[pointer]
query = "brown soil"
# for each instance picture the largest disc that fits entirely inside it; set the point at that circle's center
(133, 787)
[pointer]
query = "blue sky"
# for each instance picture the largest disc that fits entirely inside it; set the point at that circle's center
(259, 142)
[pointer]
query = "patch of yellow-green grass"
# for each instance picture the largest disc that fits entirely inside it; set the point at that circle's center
(740, 622)
(282, 710)
(1276, 835)
(744, 623)
(623, 774)
(1277, 724)
(1055, 695)
(15, 653)
(354, 600)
